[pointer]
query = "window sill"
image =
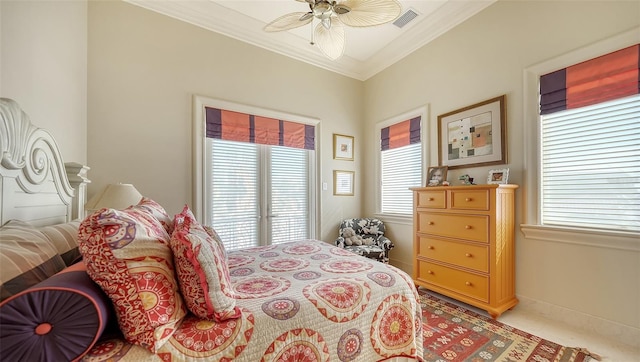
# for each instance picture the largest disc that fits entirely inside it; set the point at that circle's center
(395, 218)
(594, 238)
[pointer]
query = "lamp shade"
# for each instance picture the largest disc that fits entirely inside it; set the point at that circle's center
(115, 196)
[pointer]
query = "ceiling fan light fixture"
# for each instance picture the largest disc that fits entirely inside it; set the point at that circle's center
(326, 23)
(322, 10)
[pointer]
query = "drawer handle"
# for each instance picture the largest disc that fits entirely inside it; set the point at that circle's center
(430, 199)
(468, 199)
(468, 284)
(468, 227)
(431, 247)
(468, 255)
(430, 223)
(429, 272)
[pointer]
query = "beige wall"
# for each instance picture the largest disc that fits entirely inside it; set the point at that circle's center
(43, 66)
(484, 58)
(144, 69)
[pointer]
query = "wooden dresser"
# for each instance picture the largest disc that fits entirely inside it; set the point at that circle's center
(463, 244)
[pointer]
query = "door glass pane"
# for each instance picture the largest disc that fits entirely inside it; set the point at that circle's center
(234, 193)
(289, 212)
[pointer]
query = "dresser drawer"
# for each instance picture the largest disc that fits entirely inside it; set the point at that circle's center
(468, 227)
(471, 256)
(432, 199)
(461, 282)
(470, 199)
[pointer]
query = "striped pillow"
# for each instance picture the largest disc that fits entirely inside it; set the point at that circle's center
(64, 238)
(26, 256)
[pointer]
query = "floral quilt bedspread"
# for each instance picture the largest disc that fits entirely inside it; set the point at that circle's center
(301, 301)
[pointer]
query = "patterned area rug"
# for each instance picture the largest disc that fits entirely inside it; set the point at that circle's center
(453, 334)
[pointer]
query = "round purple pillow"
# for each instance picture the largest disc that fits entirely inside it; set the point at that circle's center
(58, 319)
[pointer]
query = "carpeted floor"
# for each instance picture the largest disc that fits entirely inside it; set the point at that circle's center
(454, 334)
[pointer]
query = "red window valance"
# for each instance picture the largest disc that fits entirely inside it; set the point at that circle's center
(400, 134)
(611, 76)
(242, 127)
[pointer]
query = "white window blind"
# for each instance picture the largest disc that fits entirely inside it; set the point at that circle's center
(260, 195)
(591, 166)
(234, 176)
(290, 216)
(401, 168)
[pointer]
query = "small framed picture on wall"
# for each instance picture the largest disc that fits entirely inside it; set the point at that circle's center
(343, 182)
(342, 147)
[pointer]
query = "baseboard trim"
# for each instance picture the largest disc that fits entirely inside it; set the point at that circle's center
(596, 325)
(406, 267)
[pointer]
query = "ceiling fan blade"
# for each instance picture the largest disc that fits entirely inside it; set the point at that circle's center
(330, 41)
(370, 12)
(341, 9)
(288, 21)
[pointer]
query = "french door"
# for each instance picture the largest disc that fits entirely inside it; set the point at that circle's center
(259, 194)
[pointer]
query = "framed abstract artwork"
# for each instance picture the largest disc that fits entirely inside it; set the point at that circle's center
(474, 135)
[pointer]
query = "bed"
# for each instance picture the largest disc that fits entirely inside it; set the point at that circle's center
(304, 300)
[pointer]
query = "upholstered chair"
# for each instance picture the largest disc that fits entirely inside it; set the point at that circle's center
(370, 233)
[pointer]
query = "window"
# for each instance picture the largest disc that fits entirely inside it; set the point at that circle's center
(255, 176)
(401, 169)
(400, 162)
(590, 174)
(583, 164)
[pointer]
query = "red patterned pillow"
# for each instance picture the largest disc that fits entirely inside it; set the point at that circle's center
(128, 254)
(158, 212)
(202, 270)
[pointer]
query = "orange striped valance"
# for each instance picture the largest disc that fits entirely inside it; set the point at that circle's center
(611, 76)
(242, 127)
(400, 134)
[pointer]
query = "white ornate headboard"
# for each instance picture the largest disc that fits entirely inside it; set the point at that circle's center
(34, 183)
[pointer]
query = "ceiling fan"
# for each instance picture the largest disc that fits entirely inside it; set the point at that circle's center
(329, 34)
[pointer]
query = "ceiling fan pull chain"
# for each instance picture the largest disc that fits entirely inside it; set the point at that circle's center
(312, 32)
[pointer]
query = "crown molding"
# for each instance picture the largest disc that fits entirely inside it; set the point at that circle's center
(217, 18)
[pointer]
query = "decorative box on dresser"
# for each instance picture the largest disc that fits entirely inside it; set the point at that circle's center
(463, 244)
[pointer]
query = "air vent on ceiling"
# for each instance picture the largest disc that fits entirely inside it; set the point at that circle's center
(405, 18)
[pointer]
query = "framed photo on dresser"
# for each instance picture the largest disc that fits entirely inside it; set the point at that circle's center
(500, 176)
(437, 175)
